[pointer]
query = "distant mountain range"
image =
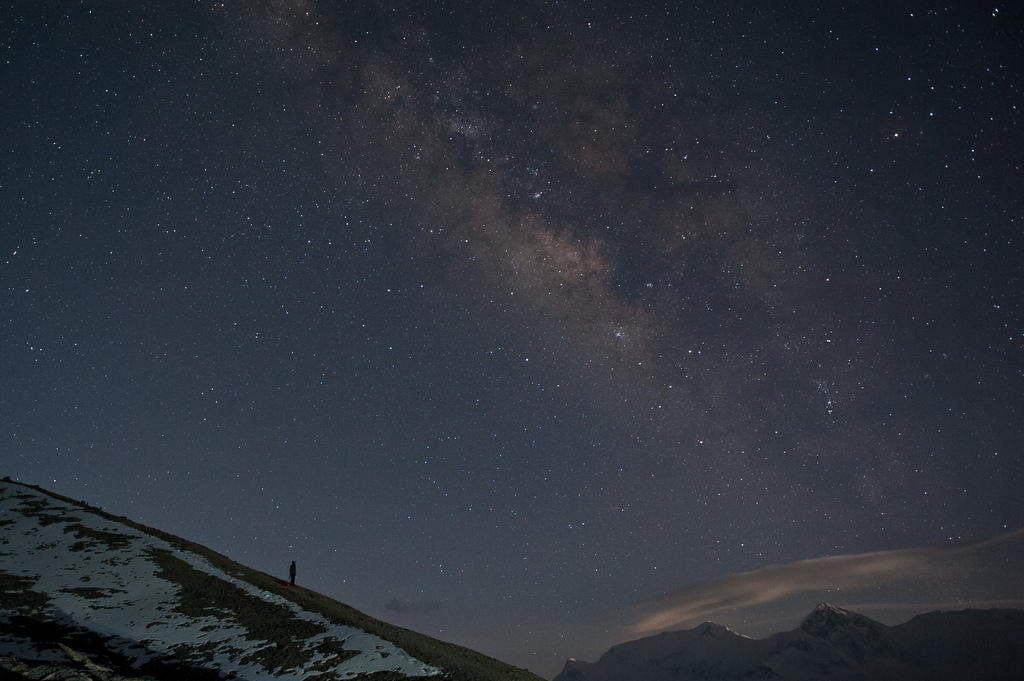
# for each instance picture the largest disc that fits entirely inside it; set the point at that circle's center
(87, 595)
(831, 643)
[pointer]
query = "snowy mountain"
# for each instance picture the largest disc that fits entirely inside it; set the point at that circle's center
(831, 643)
(86, 595)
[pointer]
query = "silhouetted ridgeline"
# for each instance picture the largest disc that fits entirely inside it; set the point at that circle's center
(831, 643)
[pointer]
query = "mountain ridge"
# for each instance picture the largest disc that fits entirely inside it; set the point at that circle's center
(146, 602)
(830, 643)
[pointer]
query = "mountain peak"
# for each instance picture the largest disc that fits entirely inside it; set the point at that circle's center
(855, 635)
(828, 607)
(712, 629)
(827, 617)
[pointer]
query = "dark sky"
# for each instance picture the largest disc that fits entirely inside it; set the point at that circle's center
(503, 319)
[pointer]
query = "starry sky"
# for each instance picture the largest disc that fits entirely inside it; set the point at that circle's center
(531, 326)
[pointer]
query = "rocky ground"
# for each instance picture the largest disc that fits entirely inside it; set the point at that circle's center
(78, 667)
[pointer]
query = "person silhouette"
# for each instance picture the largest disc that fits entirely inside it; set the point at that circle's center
(291, 574)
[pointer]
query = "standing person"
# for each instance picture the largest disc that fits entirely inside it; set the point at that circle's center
(291, 574)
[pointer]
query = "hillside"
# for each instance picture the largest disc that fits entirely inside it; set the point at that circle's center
(85, 594)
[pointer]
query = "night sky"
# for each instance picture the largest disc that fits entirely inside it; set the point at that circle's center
(519, 324)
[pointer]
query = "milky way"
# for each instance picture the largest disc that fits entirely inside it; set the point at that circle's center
(501, 321)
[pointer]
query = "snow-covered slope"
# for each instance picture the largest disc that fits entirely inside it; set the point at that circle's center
(152, 603)
(831, 643)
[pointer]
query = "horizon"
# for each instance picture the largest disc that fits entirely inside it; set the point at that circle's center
(783, 620)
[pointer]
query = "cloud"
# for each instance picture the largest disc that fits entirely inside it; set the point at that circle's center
(830, 572)
(406, 607)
